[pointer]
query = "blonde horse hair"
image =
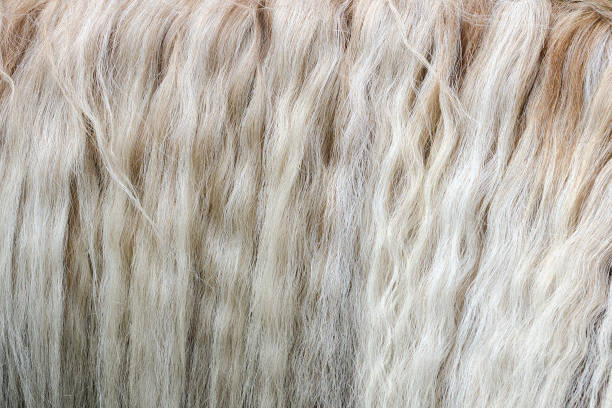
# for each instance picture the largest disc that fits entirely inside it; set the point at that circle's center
(306, 203)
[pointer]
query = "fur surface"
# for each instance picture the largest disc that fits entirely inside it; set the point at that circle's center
(318, 203)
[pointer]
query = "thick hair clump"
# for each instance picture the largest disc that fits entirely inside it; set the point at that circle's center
(314, 203)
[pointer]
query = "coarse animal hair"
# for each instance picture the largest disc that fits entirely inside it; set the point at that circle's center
(305, 203)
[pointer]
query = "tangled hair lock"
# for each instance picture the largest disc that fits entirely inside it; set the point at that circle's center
(317, 203)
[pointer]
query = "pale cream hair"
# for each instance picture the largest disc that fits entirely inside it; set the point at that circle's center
(305, 203)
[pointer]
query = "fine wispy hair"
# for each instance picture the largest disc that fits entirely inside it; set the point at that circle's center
(313, 203)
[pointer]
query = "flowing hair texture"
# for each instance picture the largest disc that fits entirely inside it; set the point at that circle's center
(313, 203)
